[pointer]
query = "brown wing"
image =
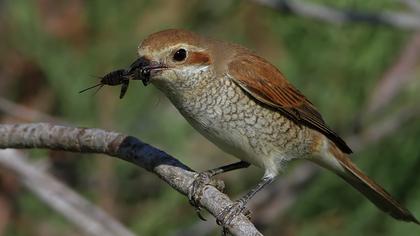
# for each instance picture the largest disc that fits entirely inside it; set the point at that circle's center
(265, 83)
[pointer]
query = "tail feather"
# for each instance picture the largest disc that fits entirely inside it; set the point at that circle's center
(369, 188)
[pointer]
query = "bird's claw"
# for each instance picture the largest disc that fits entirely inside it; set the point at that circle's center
(200, 182)
(229, 213)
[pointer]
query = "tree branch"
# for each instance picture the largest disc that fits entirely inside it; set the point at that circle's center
(336, 16)
(395, 78)
(128, 148)
(25, 113)
(413, 5)
(87, 217)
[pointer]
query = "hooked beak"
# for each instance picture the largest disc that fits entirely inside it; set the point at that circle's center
(142, 68)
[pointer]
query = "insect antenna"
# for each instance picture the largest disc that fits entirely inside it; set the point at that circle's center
(97, 90)
(94, 86)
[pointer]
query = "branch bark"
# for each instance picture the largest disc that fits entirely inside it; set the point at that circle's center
(87, 217)
(128, 148)
(406, 21)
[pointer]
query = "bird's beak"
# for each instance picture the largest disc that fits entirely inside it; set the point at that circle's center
(143, 68)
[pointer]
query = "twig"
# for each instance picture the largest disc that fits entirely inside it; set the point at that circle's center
(384, 128)
(332, 15)
(25, 113)
(395, 77)
(414, 5)
(87, 217)
(169, 169)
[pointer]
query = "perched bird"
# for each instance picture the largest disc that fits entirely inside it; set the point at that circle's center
(245, 105)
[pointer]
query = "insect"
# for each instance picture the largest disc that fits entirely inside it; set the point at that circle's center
(113, 78)
(138, 70)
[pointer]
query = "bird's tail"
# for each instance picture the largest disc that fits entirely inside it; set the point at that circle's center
(340, 163)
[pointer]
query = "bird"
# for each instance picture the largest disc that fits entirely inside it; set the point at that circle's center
(244, 105)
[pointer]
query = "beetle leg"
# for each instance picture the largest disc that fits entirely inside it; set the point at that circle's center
(124, 87)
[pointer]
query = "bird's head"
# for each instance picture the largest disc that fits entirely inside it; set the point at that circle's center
(176, 60)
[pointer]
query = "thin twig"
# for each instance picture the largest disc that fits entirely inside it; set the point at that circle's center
(396, 77)
(406, 21)
(414, 5)
(25, 113)
(128, 148)
(86, 216)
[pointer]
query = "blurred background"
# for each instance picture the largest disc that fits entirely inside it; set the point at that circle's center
(361, 70)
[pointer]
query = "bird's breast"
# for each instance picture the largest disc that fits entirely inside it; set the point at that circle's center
(222, 112)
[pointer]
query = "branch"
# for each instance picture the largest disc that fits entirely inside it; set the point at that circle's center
(128, 148)
(396, 77)
(87, 217)
(414, 5)
(25, 113)
(336, 16)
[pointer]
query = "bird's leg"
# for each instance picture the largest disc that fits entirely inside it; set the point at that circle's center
(226, 216)
(204, 178)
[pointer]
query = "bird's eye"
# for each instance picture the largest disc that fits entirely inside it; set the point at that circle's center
(180, 55)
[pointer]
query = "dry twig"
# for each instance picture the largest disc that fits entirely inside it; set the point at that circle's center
(87, 217)
(406, 21)
(396, 77)
(413, 5)
(128, 148)
(25, 113)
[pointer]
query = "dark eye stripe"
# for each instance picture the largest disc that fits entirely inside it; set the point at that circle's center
(198, 58)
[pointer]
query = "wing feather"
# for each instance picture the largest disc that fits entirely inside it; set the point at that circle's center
(267, 84)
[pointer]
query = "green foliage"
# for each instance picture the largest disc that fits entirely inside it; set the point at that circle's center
(335, 66)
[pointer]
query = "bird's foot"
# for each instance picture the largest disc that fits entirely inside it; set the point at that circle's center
(229, 213)
(200, 182)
